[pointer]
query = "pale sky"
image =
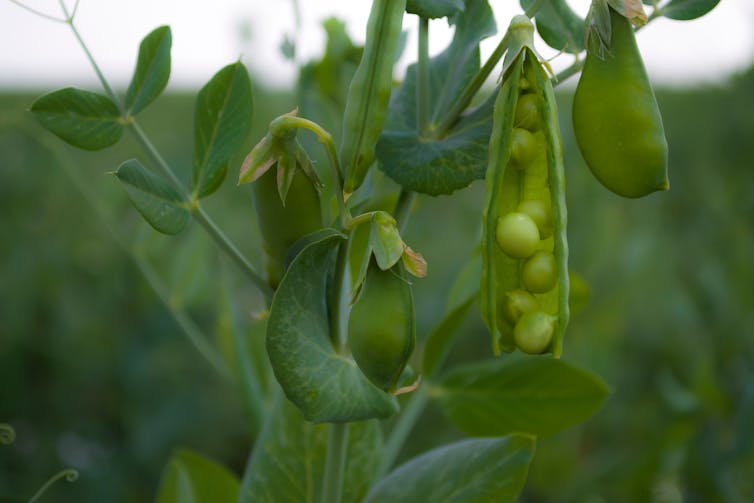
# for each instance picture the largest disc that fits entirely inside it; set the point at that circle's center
(42, 54)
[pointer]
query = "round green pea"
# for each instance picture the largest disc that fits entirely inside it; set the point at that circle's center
(533, 332)
(527, 112)
(541, 213)
(523, 147)
(517, 303)
(517, 235)
(539, 274)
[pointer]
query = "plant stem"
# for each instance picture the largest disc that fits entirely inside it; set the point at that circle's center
(401, 430)
(251, 384)
(568, 72)
(337, 446)
(69, 474)
(533, 9)
(39, 13)
(196, 211)
(471, 89)
(150, 149)
(286, 122)
(100, 75)
(402, 209)
(228, 247)
(190, 329)
(341, 300)
(422, 78)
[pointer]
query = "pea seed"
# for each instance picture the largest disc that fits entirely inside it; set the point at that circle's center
(533, 332)
(539, 274)
(517, 235)
(517, 303)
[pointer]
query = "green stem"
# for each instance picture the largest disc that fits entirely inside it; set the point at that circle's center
(360, 219)
(251, 383)
(533, 9)
(192, 331)
(403, 426)
(402, 209)
(150, 149)
(471, 89)
(222, 241)
(284, 123)
(422, 78)
(568, 72)
(229, 248)
(100, 75)
(202, 217)
(194, 334)
(38, 12)
(69, 474)
(341, 300)
(337, 446)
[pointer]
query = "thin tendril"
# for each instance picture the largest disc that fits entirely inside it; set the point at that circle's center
(69, 474)
(75, 8)
(38, 13)
(7, 434)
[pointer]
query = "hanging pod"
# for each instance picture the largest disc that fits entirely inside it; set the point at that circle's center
(524, 286)
(285, 194)
(616, 119)
(381, 331)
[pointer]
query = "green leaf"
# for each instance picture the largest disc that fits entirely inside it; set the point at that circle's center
(558, 25)
(684, 10)
(461, 297)
(471, 471)
(533, 394)
(288, 462)
(434, 9)
(441, 165)
(156, 200)
(152, 70)
(324, 385)
(221, 123)
(86, 120)
(191, 478)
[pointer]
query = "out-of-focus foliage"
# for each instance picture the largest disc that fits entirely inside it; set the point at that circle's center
(95, 374)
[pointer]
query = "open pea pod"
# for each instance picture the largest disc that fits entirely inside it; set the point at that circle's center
(524, 285)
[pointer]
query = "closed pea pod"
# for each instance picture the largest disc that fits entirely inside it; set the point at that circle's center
(280, 224)
(381, 332)
(524, 291)
(285, 196)
(616, 119)
(369, 92)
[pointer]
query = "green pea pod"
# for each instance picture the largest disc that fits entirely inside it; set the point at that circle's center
(616, 119)
(381, 331)
(282, 224)
(524, 284)
(369, 92)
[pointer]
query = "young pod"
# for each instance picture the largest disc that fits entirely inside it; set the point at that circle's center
(369, 92)
(281, 224)
(616, 119)
(381, 332)
(524, 290)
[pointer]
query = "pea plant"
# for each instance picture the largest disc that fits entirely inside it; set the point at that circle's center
(338, 272)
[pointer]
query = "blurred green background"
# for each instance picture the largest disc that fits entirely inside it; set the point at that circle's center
(95, 374)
